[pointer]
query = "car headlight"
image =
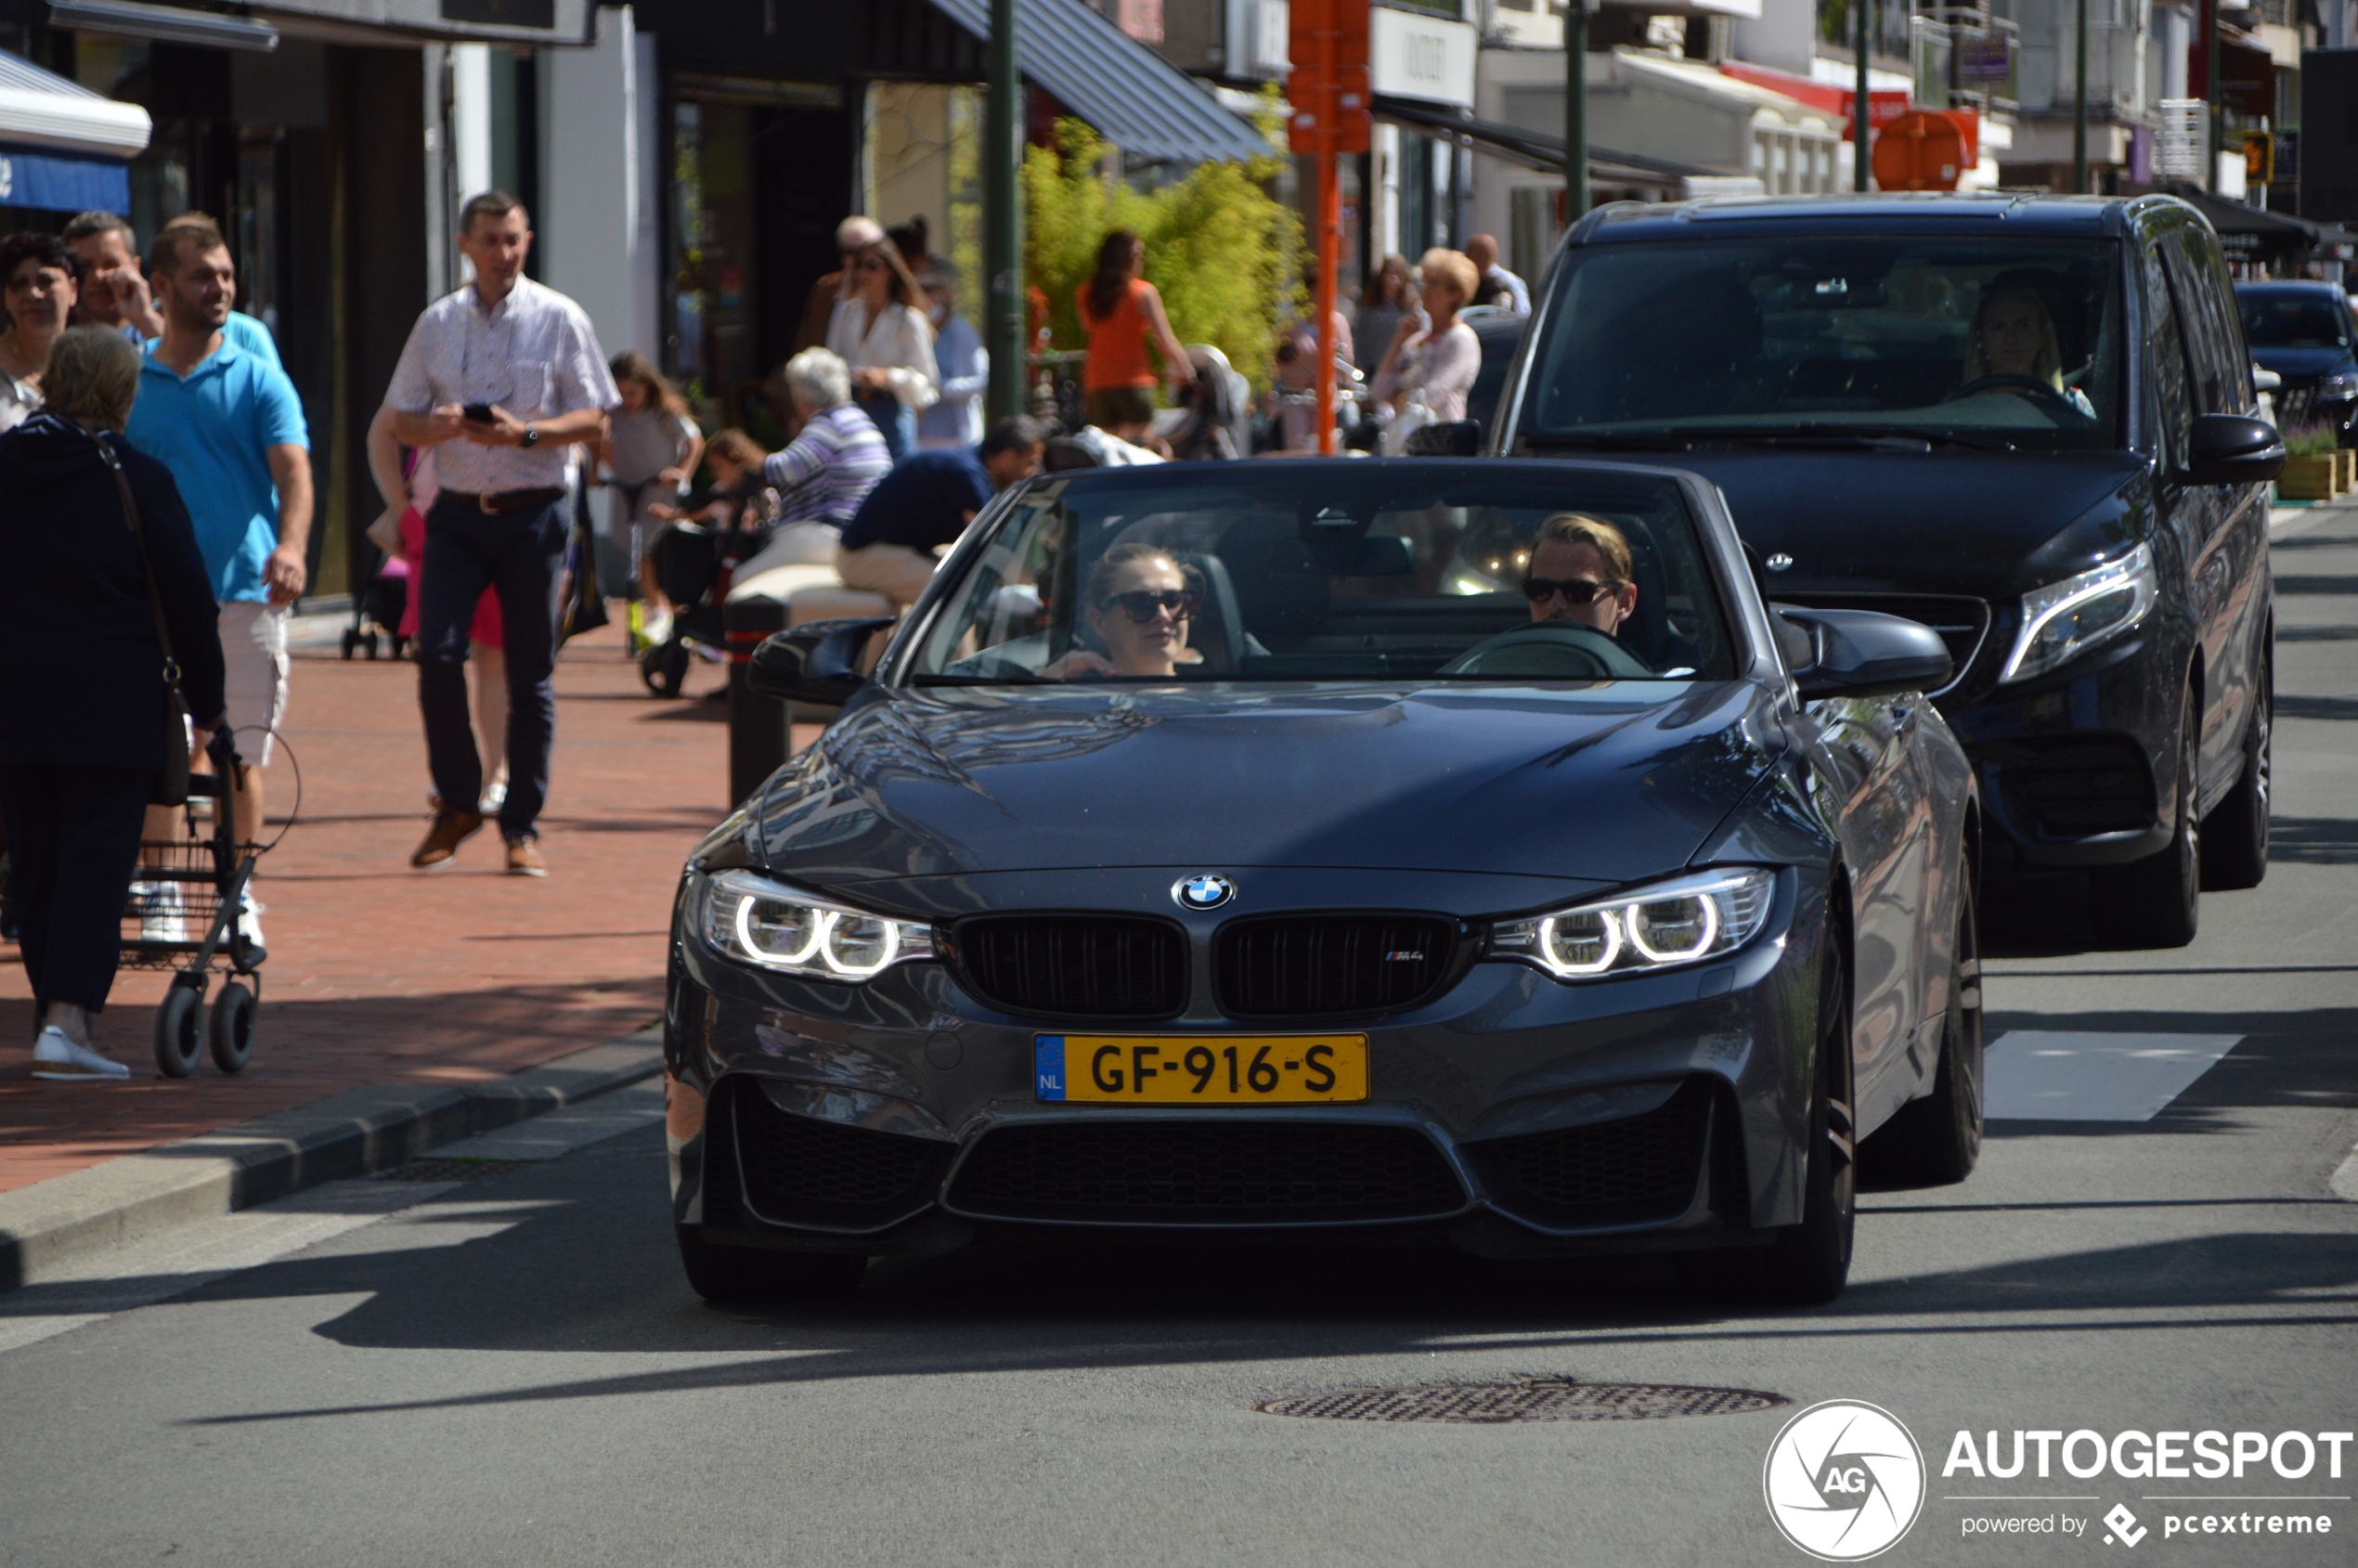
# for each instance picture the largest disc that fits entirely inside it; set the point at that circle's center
(1684, 920)
(2064, 620)
(770, 926)
(2339, 386)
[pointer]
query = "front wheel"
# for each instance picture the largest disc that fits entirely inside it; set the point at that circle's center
(2156, 902)
(744, 1276)
(1809, 1264)
(2235, 837)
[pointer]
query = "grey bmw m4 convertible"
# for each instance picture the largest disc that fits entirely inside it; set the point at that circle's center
(1417, 846)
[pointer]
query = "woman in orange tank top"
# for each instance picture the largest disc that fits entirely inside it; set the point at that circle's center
(1120, 308)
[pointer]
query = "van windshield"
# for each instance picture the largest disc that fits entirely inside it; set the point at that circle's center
(2284, 319)
(1983, 343)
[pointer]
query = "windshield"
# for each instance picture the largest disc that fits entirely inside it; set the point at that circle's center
(1998, 343)
(1370, 570)
(2273, 320)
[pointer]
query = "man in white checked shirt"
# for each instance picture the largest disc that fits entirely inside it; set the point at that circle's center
(502, 379)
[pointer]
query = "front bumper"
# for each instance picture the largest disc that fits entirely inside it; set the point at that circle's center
(1515, 1114)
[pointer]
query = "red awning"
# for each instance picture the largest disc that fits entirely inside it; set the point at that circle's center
(1883, 106)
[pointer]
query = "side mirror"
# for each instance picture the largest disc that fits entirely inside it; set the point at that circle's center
(1445, 438)
(2231, 450)
(817, 664)
(1861, 653)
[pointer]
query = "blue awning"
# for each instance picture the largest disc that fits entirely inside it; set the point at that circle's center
(1133, 97)
(62, 182)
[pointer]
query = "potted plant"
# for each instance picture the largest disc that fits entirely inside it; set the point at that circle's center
(2314, 468)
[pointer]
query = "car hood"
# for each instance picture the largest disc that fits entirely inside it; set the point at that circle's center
(2302, 361)
(1942, 521)
(1606, 784)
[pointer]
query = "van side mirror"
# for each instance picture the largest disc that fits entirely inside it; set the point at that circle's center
(2231, 450)
(1444, 438)
(1860, 653)
(817, 664)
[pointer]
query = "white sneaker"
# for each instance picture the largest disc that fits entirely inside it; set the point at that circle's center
(250, 928)
(61, 1061)
(494, 795)
(162, 909)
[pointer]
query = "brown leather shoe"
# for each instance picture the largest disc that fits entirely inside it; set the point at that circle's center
(451, 829)
(523, 859)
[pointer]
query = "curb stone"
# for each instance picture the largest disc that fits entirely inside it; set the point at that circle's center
(49, 1227)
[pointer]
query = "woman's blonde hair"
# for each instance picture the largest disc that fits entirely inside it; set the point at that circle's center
(2047, 367)
(1455, 269)
(91, 376)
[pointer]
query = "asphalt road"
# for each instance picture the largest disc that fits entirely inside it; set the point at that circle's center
(512, 1370)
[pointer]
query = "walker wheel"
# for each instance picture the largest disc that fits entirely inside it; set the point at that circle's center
(351, 641)
(179, 1030)
(663, 667)
(369, 641)
(232, 1031)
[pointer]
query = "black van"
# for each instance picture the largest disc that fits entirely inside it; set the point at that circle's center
(2024, 422)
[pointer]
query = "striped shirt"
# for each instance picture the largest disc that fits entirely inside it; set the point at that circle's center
(828, 470)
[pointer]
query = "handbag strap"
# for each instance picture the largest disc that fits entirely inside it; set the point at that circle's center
(146, 567)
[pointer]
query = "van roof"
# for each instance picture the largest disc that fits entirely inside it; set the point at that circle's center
(1888, 213)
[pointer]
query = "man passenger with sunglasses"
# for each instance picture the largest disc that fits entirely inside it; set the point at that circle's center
(1580, 572)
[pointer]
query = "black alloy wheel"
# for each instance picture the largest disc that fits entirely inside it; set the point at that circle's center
(1936, 1140)
(2156, 902)
(2235, 837)
(750, 1276)
(1809, 1264)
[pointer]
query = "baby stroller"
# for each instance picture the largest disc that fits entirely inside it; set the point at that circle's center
(695, 563)
(1214, 419)
(183, 917)
(377, 612)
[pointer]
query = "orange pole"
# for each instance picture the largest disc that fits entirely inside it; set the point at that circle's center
(1329, 244)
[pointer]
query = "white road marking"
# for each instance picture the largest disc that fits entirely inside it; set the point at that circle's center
(2038, 1075)
(191, 1256)
(2345, 1178)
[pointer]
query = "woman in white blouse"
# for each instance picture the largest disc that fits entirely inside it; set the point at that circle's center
(880, 329)
(1434, 364)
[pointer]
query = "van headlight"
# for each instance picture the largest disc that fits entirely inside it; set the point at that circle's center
(2064, 620)
(770, 926)
(1684, 920)
(2340, 388)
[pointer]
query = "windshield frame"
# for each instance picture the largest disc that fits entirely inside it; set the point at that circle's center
(1751, 650)
(1517, 434)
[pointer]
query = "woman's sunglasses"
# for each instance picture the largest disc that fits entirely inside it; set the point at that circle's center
(1577, 591)
(1140, 605)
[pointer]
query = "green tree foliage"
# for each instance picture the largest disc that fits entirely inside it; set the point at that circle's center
(1225, 255)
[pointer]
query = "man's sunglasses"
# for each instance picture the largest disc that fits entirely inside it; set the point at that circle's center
(1577, 591)
(1140, 605)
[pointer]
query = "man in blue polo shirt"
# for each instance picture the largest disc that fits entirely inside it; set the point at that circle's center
(926, 502)
(230, 429)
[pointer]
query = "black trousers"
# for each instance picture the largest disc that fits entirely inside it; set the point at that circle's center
(73, 841)
(520, 556)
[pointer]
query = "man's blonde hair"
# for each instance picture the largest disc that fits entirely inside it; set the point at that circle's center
(92, 376)
(1572, 527)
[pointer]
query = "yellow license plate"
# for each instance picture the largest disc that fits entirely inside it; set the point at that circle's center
(1223, 1070)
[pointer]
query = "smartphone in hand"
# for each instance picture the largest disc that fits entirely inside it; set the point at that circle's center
(475, 414)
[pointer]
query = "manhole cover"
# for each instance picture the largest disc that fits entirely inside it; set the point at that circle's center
(451, 1170)
(1522, 1399)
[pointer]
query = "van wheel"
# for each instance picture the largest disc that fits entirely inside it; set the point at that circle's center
(2156, 902)
(2235, 837)
(1936, 1140)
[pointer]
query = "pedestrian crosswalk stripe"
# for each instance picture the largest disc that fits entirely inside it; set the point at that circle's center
(2041, 1075)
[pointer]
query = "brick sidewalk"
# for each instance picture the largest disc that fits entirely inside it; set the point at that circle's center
(379, 973)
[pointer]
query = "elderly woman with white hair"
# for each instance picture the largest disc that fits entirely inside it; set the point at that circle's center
(99, 602)
(826, 472)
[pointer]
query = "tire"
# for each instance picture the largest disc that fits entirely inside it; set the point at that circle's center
(662, 667)
(2235, 837)
(231, 1031)
(1809, 1264)
(2157, 902)
(180, 1029)
(1935, 1141)
(744, 1276)
(369, 645)
(351, 640)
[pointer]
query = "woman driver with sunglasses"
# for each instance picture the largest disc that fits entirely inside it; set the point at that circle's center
(1580, 572)
(1138, 606)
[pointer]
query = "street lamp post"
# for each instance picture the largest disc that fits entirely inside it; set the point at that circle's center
(1576, 111)
(1861, 168)
(1004, 328)
(2079, 104)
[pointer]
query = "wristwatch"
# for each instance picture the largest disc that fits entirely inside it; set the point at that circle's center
(531, 436)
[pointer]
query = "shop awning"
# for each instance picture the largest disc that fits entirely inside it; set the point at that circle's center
(1134, 99)
(1534, 150)
(47, 115)
(2248, 232)
(60, 182)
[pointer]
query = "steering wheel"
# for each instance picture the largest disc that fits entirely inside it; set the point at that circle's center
(1551, 651)
(2037, 390)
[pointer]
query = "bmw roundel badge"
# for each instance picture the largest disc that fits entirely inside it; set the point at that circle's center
(1202, 891)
